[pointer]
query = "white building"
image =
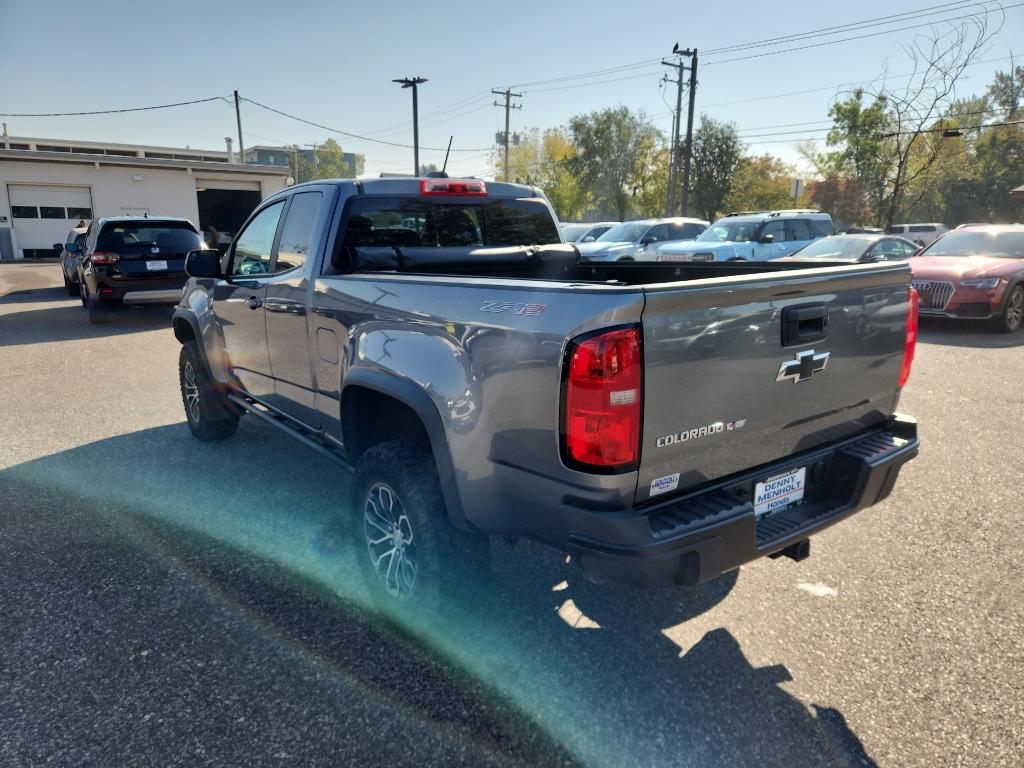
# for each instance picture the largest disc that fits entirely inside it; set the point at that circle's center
(47, 186)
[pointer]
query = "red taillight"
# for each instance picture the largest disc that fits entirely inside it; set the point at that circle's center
(453, 187)
(603, 399)
(103, 258)
(911, 341)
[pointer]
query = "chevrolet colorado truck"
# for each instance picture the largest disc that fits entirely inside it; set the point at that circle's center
(660, 423)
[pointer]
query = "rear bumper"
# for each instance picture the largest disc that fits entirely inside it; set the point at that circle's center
(153, 290)
(714, 530)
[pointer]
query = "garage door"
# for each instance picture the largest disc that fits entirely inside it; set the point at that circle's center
(42, 214)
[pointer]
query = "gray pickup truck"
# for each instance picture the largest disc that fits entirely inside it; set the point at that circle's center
(660, 423)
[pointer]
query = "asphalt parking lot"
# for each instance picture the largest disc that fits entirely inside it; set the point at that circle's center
(166, 602)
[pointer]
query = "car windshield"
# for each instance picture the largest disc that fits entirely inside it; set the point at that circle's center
(995, 243)
(835, 249)
(725, 230)
(571, 232)
(630, 232)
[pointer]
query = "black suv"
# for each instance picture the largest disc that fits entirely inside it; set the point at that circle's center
(134, 260)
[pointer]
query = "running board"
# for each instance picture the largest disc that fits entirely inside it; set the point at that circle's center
(285, 425)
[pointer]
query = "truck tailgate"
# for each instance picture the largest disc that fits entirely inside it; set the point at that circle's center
(728, 381)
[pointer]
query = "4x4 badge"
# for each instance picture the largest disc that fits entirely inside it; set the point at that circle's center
(806, 364)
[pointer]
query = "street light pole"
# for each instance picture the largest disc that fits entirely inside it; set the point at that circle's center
(413, 82)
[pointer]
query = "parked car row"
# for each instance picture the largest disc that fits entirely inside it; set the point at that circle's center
(973, 272)
(640, 240)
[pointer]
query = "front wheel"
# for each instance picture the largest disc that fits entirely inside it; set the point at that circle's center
(210, 415)
(412, 559)
(1012, 316)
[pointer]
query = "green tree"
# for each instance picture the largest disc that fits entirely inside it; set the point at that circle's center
(614, 151)
(760, 183)
(859, 149)
(1007, 90)
(541, 158)
(716, 155)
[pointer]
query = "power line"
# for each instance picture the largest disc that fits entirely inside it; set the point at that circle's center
(856, 37)
(773, 96)
(878, 21)
(354, 135)
(114, 111)
(595, 82)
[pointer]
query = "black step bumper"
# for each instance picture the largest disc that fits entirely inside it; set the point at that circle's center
(714, 529)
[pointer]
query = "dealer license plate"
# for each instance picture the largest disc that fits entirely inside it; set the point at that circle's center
(779, 491)
(156, 265)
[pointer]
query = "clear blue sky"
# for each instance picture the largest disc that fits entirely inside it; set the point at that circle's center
(333, 63)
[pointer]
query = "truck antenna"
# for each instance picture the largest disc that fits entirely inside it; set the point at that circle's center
(448, 152)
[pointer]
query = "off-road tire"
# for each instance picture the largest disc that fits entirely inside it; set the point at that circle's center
(210, 415)
(452, 566)
(1012, 316)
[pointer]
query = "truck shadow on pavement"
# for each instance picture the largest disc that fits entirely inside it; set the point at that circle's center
(966, 333)
(232, 559)
(69, 322)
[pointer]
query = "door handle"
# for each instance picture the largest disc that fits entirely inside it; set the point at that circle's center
(255, 302)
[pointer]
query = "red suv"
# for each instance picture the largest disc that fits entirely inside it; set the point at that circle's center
(976, 272)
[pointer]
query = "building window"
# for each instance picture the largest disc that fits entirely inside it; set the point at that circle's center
(51, 212)
(52, 148)
(24, 212)
(79, 213)
(12, 145)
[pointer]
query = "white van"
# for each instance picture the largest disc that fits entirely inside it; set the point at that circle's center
(922, 234)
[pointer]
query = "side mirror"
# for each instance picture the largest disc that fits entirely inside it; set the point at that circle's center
(648, 240)
(589, 239)
(57, 248)
(203, 263)
(766, 239)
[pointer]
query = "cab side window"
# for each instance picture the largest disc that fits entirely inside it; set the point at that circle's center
(255, 245)
(657, 234)
(777, 229)
(297, 231)
(797, 229)
(821, 227)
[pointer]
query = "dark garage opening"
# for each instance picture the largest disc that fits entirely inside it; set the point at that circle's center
(225, 210)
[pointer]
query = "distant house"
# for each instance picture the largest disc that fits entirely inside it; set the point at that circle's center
(48, 185)
(1018, 193)
(266, 155)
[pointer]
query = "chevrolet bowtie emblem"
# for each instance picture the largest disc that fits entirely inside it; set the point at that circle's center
(806, 364)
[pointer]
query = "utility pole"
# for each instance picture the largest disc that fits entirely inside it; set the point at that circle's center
(688, 150)
(413, 82)
(673, 168)
(507, 93)
(238, 119)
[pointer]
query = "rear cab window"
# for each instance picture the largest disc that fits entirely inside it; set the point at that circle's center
(413, 222)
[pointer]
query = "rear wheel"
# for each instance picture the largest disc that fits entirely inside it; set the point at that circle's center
(1012, 316)
(211, 416)
(414, 562)
(97, 314)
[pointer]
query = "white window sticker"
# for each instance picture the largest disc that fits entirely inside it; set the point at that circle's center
(664, 484)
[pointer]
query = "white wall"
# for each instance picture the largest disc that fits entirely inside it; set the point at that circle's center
(164, 191)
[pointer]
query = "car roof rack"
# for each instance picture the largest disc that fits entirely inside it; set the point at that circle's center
(778, 212)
